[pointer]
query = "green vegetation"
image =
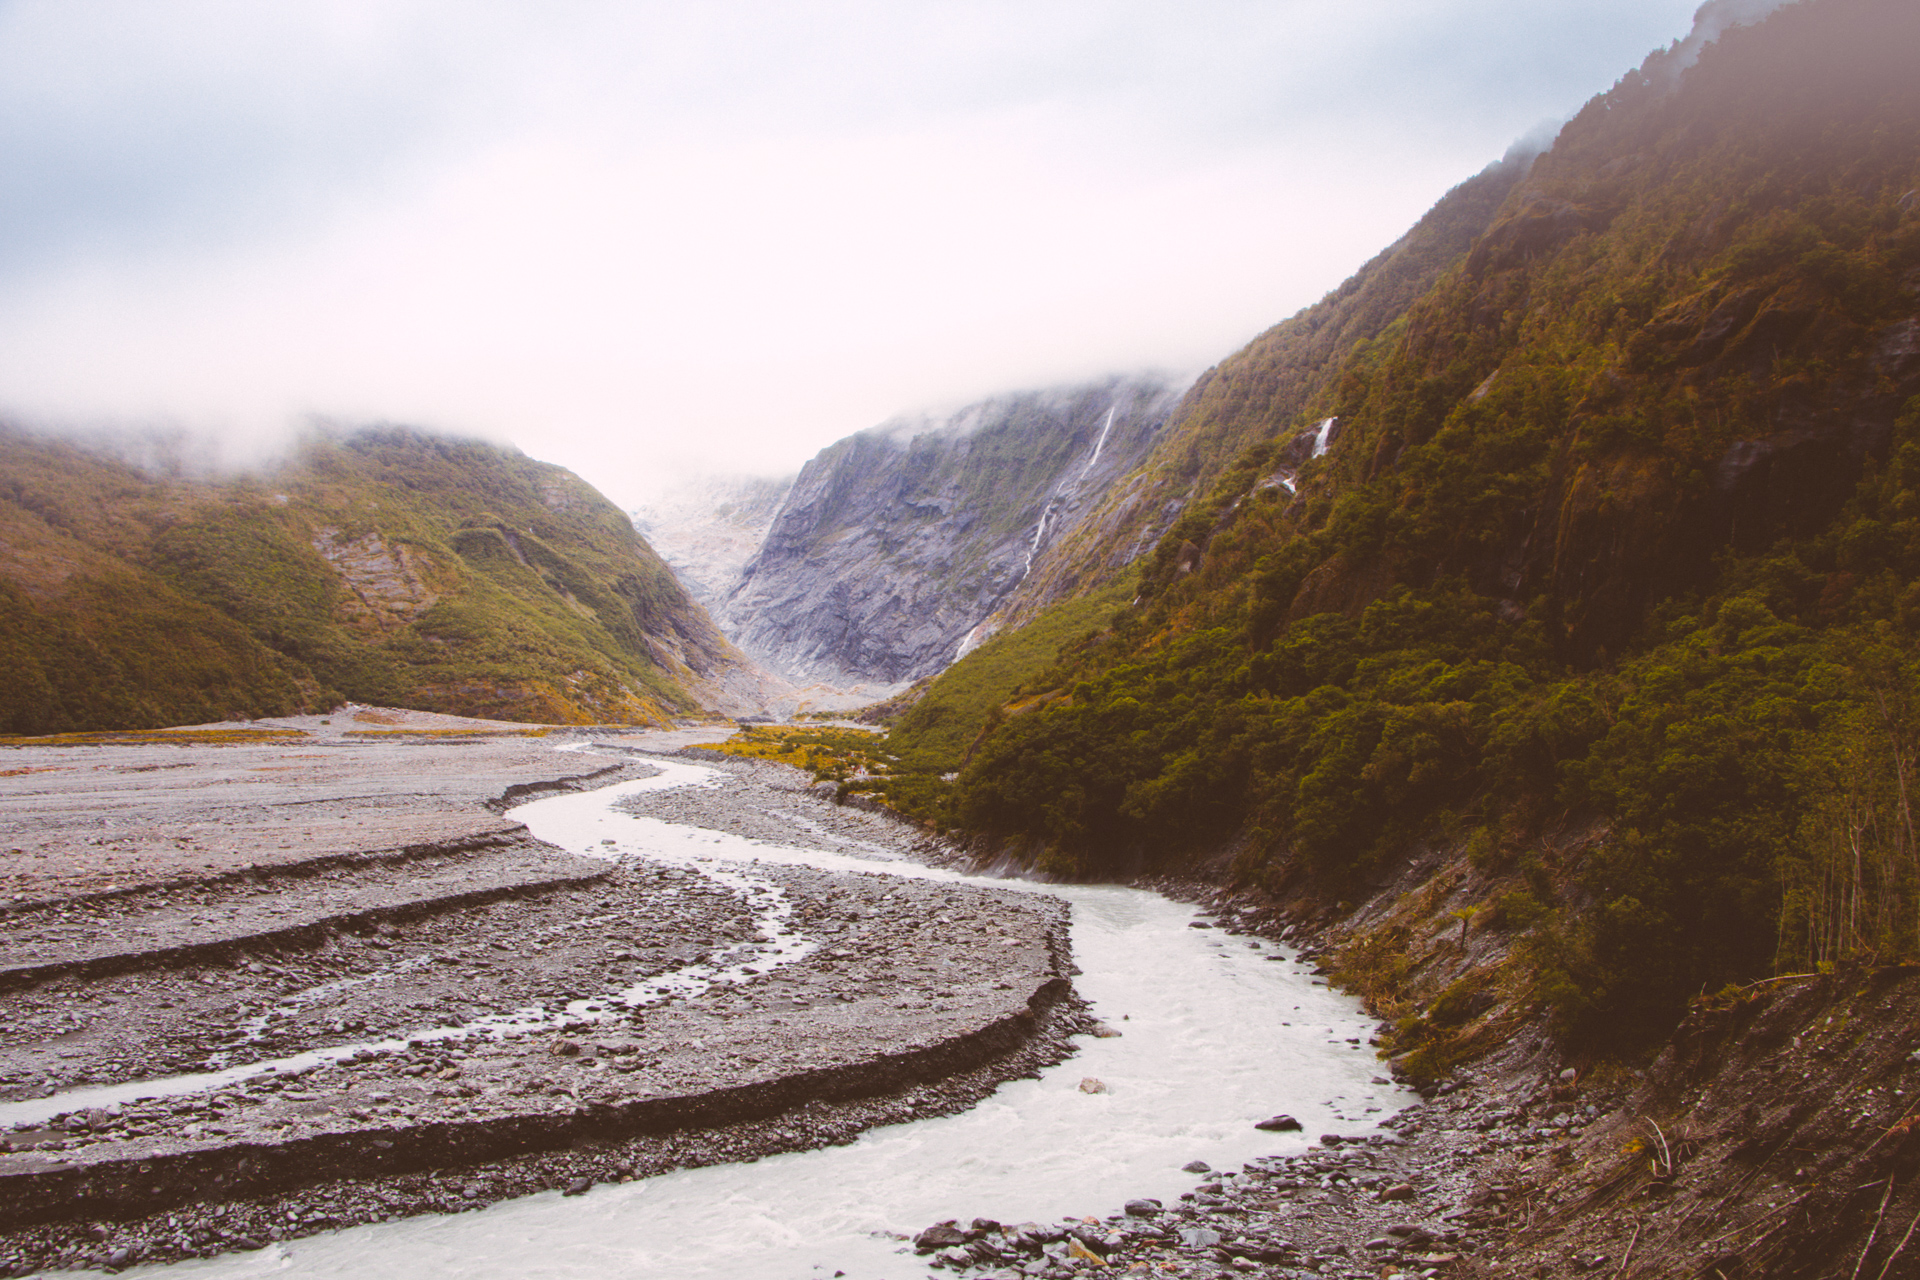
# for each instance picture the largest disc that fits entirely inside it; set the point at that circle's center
(936, 733)
(160, 737)
(1620, 534)
(830, 754)
(385, 566)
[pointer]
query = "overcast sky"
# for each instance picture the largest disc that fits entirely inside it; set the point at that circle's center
(639, 238)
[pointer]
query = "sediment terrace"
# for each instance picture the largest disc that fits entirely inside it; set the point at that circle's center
(441, 1016)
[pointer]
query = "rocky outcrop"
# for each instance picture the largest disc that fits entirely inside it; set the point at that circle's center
(897, 544)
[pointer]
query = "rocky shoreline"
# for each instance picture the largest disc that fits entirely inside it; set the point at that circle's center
(1777, 1134)
(1414, 1199)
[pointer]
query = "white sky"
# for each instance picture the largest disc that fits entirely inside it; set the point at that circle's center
(640, 239)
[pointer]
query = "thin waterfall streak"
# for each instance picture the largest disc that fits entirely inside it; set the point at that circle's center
(1099, 444)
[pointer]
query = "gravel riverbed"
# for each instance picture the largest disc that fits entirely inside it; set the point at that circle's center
(911, 998)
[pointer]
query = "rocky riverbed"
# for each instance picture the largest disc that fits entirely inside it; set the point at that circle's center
(1443, 1188)
(440, 1025)
(1777, 1134)
(1432, 1195)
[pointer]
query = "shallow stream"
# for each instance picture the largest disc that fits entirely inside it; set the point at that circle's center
(1217, 1033)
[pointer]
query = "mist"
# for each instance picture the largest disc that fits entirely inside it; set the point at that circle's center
(646, 240)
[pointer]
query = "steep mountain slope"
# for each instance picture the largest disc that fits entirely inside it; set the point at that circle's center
(1575, 689)
(1261, 391)
(385, 566)
(896, 544)
(1602, 600)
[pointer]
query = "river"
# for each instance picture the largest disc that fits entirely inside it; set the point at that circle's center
(1217, 1032)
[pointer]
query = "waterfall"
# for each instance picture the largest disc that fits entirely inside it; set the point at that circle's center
(1099, 444)
(1065, 489)
(1321, 434)
(1039, 532)
(982, 632)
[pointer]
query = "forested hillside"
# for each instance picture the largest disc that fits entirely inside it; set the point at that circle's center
(1605, 590)
(385, 566)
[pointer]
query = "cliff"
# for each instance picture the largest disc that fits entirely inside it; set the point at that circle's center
(897, 544)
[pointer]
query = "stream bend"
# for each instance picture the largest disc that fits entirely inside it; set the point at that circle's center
(1217, 1032)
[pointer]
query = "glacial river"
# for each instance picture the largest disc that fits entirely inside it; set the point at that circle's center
(1217, 1032)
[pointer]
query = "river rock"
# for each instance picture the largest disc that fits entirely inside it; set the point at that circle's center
(1196, 1166)
(1076, 1249)
(1279, 1124)
(942, 1235)
(1091, 1085)
(1198, 1237)
(1143, 1208)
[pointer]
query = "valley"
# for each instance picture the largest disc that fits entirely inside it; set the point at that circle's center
(1430, 795)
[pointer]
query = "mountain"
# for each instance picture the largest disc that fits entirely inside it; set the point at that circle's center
(1599, 614)
(707, 529)
(385, 566)
(897, 545)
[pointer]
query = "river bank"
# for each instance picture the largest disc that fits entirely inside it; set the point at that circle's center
(1775, 1134)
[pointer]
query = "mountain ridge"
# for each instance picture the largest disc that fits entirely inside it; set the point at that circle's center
(383, 565)
(1614, 537)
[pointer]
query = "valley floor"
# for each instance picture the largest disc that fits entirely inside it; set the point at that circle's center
(386, 999)
(435, 990)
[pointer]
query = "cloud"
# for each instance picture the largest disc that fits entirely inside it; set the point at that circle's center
(636, 237)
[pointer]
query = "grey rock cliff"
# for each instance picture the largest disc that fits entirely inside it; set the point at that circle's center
(896, 543)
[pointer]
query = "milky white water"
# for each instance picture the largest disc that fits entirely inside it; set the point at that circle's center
(1216, 1035)
(1322, 431)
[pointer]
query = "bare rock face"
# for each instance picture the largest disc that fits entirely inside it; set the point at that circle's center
(386, 583)
(896, 544)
